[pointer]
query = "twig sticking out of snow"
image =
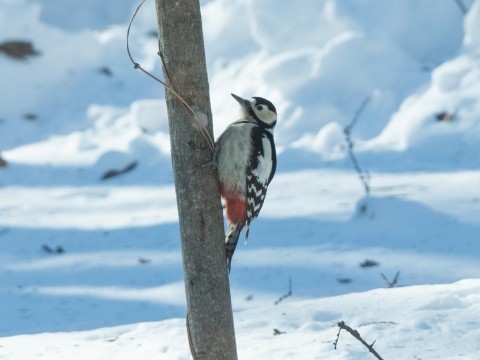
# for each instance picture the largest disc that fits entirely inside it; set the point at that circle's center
(363, 175)
(289, 293)
(356, 335)
(392, 283)
(170, 87)
(49, 250)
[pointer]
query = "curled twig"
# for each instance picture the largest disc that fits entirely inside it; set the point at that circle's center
(356, 335)
(169, 86)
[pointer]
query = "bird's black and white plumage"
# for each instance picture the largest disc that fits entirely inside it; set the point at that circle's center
(246, 161)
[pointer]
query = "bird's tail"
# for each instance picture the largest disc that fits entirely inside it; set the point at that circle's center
(231, 240)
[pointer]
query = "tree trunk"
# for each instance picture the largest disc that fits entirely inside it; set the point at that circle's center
(209, 308)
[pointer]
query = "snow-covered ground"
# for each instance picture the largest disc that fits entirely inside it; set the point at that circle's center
(91, 268)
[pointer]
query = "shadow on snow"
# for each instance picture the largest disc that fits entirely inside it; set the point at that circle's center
(106, 278)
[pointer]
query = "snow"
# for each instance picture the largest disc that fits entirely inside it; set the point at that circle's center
(91, 268)
(416, 322)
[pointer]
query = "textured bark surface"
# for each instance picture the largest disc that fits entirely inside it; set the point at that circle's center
(201, 220)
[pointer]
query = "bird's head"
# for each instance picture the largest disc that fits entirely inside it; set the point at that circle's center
(258, 109)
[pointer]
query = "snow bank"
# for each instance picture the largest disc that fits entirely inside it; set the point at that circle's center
(440, 124)
(428, 322)
(82, 253)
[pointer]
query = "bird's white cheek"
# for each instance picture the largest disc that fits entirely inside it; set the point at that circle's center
(268, 117)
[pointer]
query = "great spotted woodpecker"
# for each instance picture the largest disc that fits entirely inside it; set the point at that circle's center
(246, 161)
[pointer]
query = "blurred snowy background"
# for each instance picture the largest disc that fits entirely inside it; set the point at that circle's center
(80, 253)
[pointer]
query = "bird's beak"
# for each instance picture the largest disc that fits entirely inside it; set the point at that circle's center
(239, 99)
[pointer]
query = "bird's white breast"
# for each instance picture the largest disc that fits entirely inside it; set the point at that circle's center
(236, 146)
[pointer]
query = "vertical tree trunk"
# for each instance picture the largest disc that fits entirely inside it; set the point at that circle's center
(209, 308)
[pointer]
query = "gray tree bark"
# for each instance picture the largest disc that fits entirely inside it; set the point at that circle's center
(209, 319)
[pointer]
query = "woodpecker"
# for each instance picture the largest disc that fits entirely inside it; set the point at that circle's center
(246, 160)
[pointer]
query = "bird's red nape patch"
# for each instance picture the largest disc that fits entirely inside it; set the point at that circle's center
(236, 210)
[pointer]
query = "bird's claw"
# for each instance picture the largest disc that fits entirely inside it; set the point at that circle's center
(211, 164)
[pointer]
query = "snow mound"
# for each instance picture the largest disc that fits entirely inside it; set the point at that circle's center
(427, 322)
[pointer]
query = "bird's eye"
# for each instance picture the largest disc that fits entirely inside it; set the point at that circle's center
(259, 107)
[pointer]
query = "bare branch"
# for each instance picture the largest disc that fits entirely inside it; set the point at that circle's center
(364, 176)
(289, 293)
(200, 126)
(356, 335)
(392, 283)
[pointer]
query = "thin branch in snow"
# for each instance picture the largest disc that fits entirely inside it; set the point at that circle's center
(392, 283)
(49, 250)
(289, 293)
(363, 175)
(170, 87)
(356, 335)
